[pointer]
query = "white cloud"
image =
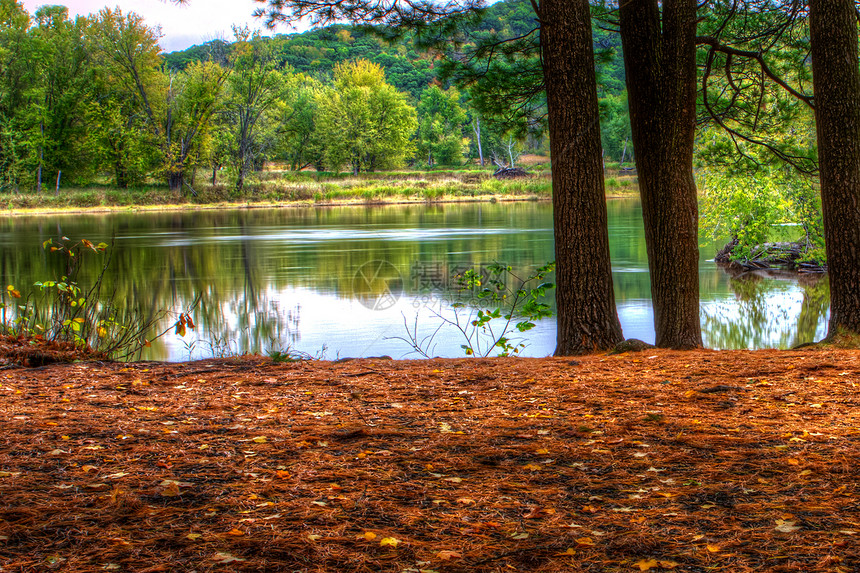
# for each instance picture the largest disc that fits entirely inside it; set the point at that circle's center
(192, 23)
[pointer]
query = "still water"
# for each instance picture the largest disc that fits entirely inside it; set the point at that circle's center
(308, 279)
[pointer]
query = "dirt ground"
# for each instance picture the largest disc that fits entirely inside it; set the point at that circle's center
(696, 461)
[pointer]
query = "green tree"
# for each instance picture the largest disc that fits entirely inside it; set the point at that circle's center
(176, 108)
(295, 116)
(364, 121)
(15, 81)
(254, 89)
(61, 65)
(440, 126)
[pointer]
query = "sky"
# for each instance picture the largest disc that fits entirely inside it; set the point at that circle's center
(181, 26)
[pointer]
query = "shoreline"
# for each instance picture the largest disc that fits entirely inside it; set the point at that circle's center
(294, 204)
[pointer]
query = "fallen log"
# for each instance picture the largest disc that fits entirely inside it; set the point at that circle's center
(510, 173)
(778, 255)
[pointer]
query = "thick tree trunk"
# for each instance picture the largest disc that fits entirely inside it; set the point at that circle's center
(175, 180)
(240, 181)
(587, 317)
(836, 82)
(660, 64)
(121, 175)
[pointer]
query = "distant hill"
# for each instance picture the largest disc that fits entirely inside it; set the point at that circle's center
(316, 52)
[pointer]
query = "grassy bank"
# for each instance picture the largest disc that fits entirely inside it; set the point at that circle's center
(310, 188)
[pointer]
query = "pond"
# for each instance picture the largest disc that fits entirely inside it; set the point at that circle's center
(306, 279)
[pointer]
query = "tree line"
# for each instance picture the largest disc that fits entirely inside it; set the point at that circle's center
(92, 96)
(683, 60)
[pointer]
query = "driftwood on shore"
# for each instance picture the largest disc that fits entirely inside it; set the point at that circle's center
(510, 173)
(780, 255)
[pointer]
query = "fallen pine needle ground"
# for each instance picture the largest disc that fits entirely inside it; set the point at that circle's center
(654, 461)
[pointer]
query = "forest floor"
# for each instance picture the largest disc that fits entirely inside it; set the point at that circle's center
(655, 461)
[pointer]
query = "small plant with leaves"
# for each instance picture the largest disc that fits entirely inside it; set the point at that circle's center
(62, 310)
(490, 308)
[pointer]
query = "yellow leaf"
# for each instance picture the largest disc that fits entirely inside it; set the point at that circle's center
(236, 532)
(570, 551)
(194, 536)
(283, 474)
(532, 467)
(224, 557)
(369, 536)
(172, 490)
(786, 526)
(585, 541)
(389, 541)
(713, 548)
(313, 537)
(542, 451)
(260, 439)
(446, 555)
(646, 564)
(88, 469)
(793, 461)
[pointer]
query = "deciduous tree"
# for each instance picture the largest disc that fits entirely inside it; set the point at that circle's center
(440, 126)
(363, 121)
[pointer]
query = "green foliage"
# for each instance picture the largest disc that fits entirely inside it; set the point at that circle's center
(440, 126)
(490, 307)
(63, 310)
(363, 121)
(761, 206)
(255, 87)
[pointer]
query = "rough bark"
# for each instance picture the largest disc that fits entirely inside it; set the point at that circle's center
(836, 84)
(660, 63)
(175, 180)
(587, 317)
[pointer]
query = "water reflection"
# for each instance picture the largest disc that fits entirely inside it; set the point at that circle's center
(771, 308)
(277, 278)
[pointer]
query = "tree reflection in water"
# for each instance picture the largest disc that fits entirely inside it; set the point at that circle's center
(772, 308)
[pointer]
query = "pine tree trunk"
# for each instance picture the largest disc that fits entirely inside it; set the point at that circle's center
(660, 64)
(587, 317)
(836, 81)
